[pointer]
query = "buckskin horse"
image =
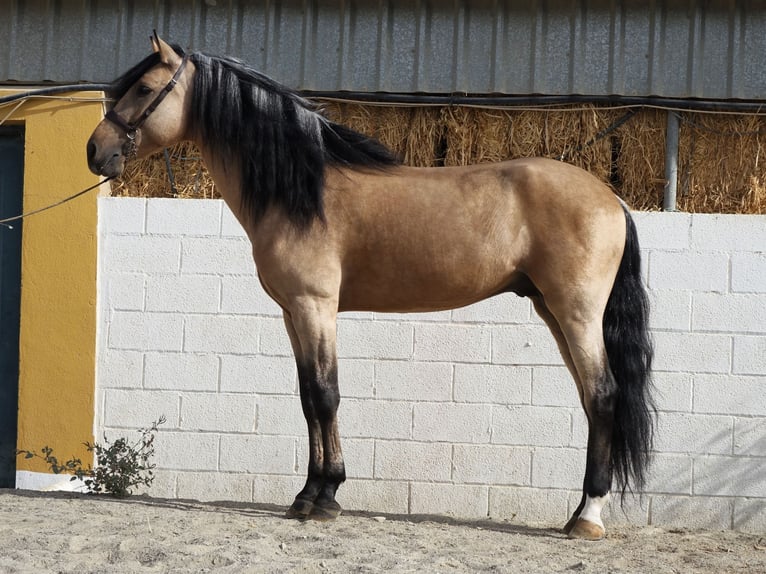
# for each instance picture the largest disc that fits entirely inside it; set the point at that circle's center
(338, 224)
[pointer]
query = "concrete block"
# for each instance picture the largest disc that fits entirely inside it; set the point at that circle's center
(459, 500)
(230, 226)
(217, 412)
(281, 415)
(728, 232)
(495, 384)
(146, 331)
(356, 378)
(693, 433)
(125, 291)
(750, 515)
(670, 310)
(558, 468)
(732, 395)
(750, 437)
(375, 418)
(673, 391)
(214, 486)
(163, 486)
(452, 422)
(524, 345)
(729, 312)
(138, 409)
(217, 256)
(181, 372)
(186, 451)
(554, 387)
(388, 496)
(244, 295)
(504, 308)
(693, 512)
(407, 460)
(749, 355)
(374, 340)
(188, 217)
(748, 272)
(221, 334)
(426, 317)
(274, 339)
(491, 464)
(140, 254)
(276, 489)
(258, 374)
(670, 474)
(666, 230)
(456, 343)
(413, 381)
(121, 215)
(729, 476)
(120, 369)
(257, 454)
(691, 352)
(533, 426)
(183, 294)
(520, 505)
(689, 271)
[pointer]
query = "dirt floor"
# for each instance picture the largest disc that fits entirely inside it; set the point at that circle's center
(64, 532)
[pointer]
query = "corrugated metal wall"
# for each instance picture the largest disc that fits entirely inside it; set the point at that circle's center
(711, 49)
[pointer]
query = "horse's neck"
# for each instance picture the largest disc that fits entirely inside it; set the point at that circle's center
(226, 176)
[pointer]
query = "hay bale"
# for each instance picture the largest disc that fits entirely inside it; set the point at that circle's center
(639, 166)
(413, 133)
(148, 177)
(721, 164)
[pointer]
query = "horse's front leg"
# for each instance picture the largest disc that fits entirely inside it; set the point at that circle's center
(313, 339)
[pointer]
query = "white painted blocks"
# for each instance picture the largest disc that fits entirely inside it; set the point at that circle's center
(690, 271)
(485, 464)
(467, 412)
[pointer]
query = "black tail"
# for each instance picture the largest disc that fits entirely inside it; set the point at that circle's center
(630, 351)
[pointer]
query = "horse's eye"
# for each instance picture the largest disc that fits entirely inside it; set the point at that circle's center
(144, 90)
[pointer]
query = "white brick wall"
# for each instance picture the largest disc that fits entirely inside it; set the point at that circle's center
(468, 412)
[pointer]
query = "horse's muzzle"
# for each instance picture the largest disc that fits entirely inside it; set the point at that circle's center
(106, 162)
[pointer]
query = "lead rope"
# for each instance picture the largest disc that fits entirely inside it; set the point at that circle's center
(5, 222)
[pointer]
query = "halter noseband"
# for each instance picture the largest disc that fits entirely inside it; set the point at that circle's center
(131, 128)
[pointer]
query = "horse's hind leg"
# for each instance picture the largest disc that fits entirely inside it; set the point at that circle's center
(579, 332)
(313, 340)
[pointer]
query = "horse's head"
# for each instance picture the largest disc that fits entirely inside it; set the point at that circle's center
(153, 98)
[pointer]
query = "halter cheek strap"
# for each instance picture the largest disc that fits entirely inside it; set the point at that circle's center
(131, 128)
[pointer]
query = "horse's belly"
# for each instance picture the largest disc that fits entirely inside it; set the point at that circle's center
(421, 286)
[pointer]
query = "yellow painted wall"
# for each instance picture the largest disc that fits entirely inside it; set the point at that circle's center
(58, 295)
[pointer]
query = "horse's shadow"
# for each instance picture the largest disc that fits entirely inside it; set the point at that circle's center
(263, 510)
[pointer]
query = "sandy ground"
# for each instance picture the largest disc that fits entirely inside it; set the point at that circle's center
(57, 532)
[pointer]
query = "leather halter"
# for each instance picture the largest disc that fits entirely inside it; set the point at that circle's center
(131, 128)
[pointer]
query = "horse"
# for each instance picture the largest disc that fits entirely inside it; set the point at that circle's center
(337, 223)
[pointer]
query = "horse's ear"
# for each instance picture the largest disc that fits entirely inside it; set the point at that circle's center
(167, 54)
(155, 39)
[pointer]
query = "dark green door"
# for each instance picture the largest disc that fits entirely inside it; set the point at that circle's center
(11, 193)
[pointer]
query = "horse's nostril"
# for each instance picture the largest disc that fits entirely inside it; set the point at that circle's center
(91, 151)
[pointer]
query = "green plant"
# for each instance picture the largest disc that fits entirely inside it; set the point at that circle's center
(120, 465)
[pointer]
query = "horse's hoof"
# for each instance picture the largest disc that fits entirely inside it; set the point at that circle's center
(570, 525)
(585, 530)
(300, 509)
(325, 513)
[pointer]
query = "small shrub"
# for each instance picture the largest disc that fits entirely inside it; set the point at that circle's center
(120, 465)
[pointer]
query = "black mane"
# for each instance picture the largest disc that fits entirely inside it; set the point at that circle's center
(280, 142)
